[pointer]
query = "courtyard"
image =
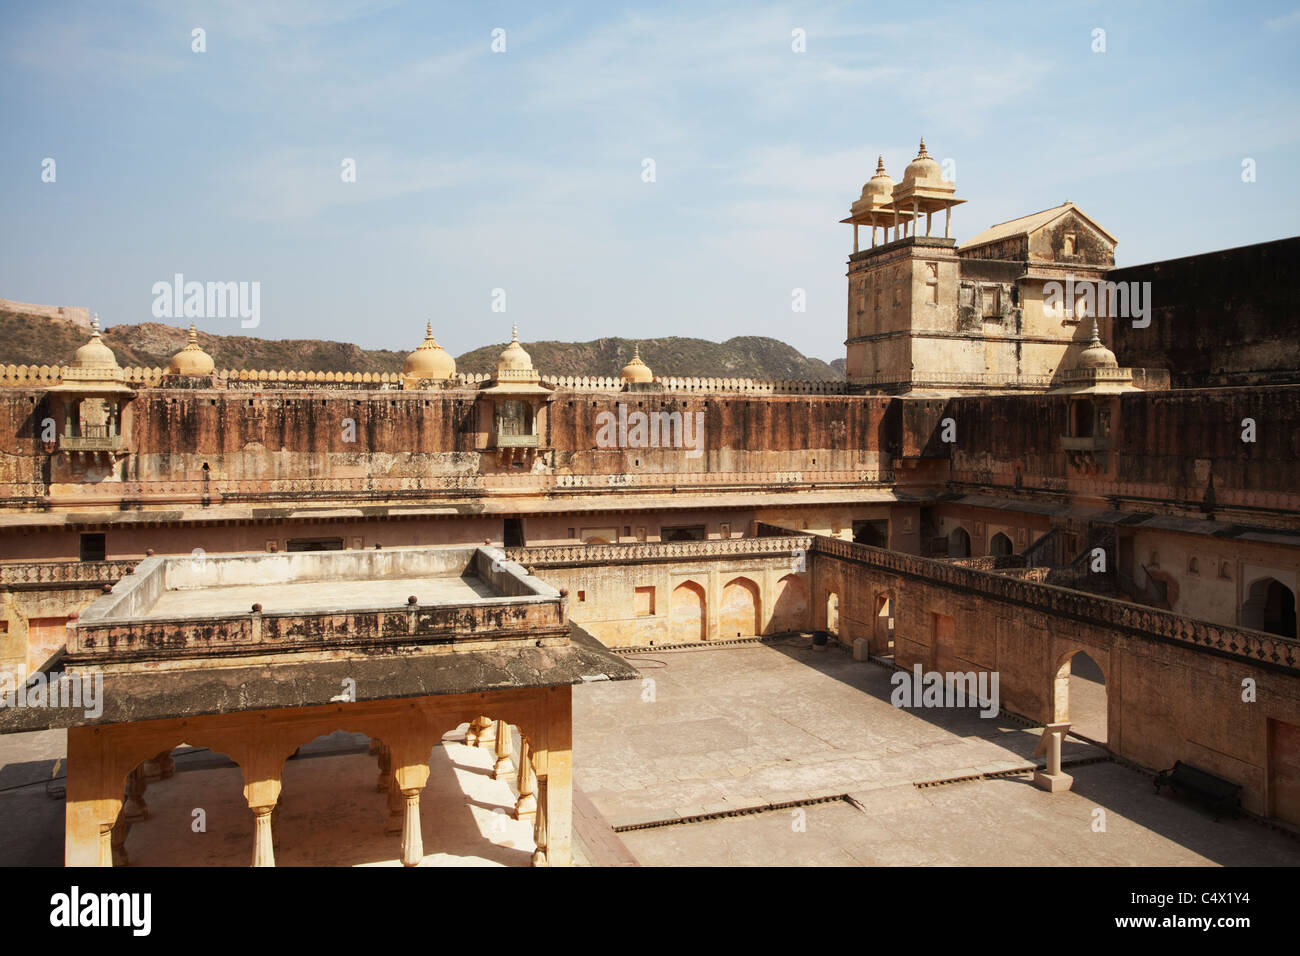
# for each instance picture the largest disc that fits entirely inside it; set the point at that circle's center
(756, 754)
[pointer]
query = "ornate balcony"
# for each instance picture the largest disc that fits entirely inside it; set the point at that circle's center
(105, 442)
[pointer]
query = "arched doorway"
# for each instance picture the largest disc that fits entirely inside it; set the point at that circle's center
(958, 543)
(1080, 696)
(1000, 545)
(790, 611)
(738, 613)
(833, 614)
(1270, 606)
(687, 618)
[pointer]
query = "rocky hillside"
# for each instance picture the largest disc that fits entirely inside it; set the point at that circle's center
(745, 356)
(25, 340)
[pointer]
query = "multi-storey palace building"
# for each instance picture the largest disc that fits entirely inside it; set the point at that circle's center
(990, 489)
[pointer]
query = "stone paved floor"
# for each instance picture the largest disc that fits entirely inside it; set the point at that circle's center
(719, 729)
(737, 727)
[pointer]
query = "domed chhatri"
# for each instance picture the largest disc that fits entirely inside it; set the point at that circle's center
(514, 358)
(924, 171)
(923, 192)
(191, 360)
(1096, 355)
(515, 374)
(93, 369)
(880, 187)
(95, 354)
(429, 361)
(1096, 371)
(636, 370)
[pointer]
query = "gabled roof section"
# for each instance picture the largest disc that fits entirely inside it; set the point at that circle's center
(1031, 223)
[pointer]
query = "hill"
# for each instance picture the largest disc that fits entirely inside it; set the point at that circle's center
(28, 340)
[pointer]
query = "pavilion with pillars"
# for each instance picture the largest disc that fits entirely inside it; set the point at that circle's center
(896, 208)
(404, 646)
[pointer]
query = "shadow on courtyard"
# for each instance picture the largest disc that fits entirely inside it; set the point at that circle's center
(1127, 796)
(330, 812)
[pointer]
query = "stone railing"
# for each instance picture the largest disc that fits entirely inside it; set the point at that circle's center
(1048, 550)
(22, 489)
(753, 386)
(989, 562)
(241, 488)
(34, 574)
(681, 479)
(272, 376)
(584, 383)
(499, 621)
(1154, 497)
(216, 490)
(746, 386)
(1269, 650)
(958, 380)
(791, 546)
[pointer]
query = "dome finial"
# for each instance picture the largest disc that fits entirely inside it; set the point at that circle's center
(636, 370)
(514, 333)
(94, 326)
(429, 360)
(880, 165)
(1096, 336)
(922, 152)
(191, 359)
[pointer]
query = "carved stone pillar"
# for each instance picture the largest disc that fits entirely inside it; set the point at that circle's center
(471, 735)
(150, 770)
(487, 736)
(136, 810)
(501, 769)
(263, 843)
(106, 844)
(166, 765)
(539, 825)
(385, 769)
(526, 805)
(117, 841)
(94, 798)
(412, 838)
(410, 774)
(394, 821)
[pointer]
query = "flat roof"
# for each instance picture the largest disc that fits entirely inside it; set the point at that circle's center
(203, 611)
(318, 595)
(149, 694)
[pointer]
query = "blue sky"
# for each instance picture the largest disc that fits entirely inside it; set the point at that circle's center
(522, 170)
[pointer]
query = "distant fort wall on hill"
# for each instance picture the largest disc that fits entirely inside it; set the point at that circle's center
(69, 313)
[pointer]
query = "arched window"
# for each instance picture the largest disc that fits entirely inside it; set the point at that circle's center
(958, 543)
(1000, 545)
(1270, 607)
(514, 418)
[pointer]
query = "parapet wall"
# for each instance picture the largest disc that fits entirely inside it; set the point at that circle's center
(1222, 318)
(47, 376)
